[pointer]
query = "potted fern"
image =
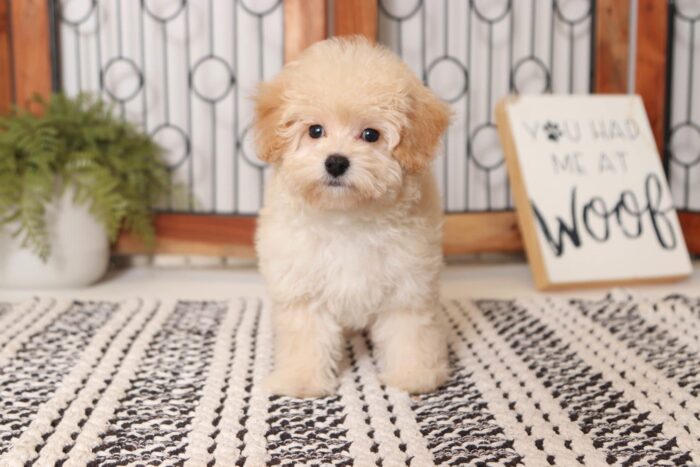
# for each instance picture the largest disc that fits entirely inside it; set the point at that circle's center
(70, 179)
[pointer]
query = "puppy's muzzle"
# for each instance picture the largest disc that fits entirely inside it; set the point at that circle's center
(337, 164)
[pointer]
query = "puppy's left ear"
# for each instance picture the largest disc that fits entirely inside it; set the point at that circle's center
(428, 118)
(268, 121)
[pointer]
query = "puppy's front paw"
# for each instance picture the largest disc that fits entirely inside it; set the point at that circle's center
(416, 380)
(300, 385)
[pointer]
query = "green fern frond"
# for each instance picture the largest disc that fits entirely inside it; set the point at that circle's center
(113, 168)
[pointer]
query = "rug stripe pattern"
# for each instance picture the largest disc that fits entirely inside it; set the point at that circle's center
(536, 381)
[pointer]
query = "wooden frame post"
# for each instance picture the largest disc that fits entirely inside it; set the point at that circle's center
(653, 45)
(690, 222)
(612, 65)
(25, 56)
(356, 17)
(31, 51)
(612, 57)
(6, 67)
(305, 22)
(611, 46)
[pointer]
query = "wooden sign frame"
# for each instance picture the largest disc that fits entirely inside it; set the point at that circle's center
(526, 218)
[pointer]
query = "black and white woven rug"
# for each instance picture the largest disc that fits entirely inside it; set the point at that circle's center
(535, 382)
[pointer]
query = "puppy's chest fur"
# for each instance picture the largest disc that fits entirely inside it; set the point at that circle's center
(351, 269)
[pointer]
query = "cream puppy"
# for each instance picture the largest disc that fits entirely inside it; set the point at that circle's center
(350, 233)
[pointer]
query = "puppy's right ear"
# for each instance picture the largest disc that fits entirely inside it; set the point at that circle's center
(268, 122)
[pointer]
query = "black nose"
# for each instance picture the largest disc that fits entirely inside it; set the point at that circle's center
(336, 165)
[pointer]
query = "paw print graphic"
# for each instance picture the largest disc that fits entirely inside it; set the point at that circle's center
(552, 130)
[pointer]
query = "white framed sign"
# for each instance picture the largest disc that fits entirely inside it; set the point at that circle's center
(593, 203)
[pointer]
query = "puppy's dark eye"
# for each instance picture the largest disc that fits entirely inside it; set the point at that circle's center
(315, 131)
(370, 135)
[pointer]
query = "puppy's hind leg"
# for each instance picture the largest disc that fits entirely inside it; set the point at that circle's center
(412, 350)
(307, 351)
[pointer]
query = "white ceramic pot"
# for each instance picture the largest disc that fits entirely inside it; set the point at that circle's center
(79, 250)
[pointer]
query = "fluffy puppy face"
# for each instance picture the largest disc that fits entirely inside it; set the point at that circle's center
(345, 123)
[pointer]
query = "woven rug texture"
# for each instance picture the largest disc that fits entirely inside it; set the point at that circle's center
(535, 382)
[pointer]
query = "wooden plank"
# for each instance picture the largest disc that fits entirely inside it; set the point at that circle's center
(198, 235)
(235, 235)
(6, 78)
(305, 22)
(356, 17)
(31, 50)
(611, 46)
(481, 233)
(690, 222)
(650, 79)
(651, 75)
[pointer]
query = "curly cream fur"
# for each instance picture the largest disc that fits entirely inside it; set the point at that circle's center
(365, 254)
